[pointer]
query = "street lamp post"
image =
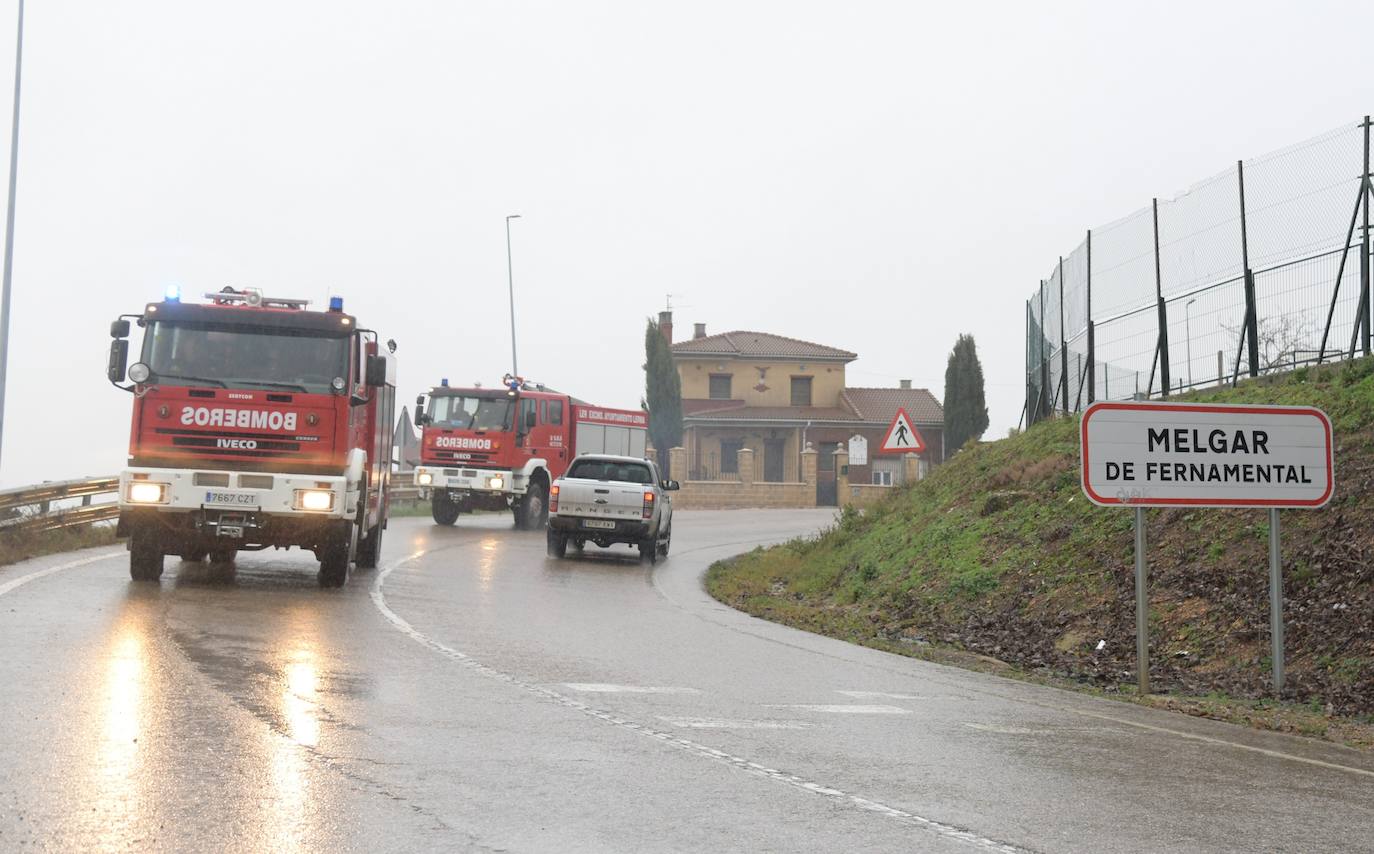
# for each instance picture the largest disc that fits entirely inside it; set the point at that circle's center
(9, 224)
(510, 278)
(1188, 333)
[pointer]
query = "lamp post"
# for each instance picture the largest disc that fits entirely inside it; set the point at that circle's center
(510, 278)
(1188, 333)
(9, 224)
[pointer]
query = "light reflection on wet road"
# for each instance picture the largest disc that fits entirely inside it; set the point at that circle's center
(505, 704)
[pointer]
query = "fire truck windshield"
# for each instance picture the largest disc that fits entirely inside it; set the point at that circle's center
(244, 357)
(468, 412)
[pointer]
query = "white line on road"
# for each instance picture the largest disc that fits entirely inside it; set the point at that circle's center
(947, 831)
(732, 723)
(34, 576)
(848, 708)
(883, 695)
(606, 688)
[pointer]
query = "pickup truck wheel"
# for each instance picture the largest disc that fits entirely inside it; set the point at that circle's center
(194, 555)
(558, 544)
(533, 511)
(333, 554)
(667, 541)
(445, 512)
(648, 550)
(145, 557)
(223, 555)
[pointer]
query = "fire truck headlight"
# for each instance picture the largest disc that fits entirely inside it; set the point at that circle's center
(338, 384)
(139, 372)
(424, 478)
(497, 482)
(145, 492)
(314, 500)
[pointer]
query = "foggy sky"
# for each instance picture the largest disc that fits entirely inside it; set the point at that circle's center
(873, 176)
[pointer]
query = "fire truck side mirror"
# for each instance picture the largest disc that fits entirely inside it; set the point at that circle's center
(119, 329)
(119, 360)
(376, 371)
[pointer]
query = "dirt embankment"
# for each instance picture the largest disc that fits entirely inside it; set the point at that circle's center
(998, 554)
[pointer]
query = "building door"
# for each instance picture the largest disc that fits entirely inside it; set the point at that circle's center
(826, 495)
(773, 460)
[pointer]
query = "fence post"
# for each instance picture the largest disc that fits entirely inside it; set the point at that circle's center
(1044, 405)
(1092, 337)
(1221, 369)
(1163, 346)
(1030, 416)
(1063, 342)
(1251, 308)
(1365, 190)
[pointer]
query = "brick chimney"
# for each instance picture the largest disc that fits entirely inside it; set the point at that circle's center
(906, 383)
(700, 331)
(665, 325)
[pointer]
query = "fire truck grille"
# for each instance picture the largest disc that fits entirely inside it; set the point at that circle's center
(249, 445)
(470, 457)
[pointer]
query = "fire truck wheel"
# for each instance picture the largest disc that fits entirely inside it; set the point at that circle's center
(558, 544)
(194, 555)
(223, 555)
(145, 557)
(532, 513)
(445, 512)
(334, 561)
(370, 549)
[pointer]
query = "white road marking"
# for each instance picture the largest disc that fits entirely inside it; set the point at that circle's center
(881, 695)
(34, 576)
(848, 708)
(947, 831)
(732, 723)
(606, 688)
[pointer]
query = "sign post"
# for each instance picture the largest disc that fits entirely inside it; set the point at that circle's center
(1145, 454)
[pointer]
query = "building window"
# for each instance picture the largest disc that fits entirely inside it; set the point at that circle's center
(882, 478)
(720, 386)
(729, 456)
(801, 391)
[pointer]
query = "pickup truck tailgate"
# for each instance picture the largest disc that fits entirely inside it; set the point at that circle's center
(599, 498)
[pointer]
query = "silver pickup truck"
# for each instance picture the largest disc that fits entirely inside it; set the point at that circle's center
(605, 499)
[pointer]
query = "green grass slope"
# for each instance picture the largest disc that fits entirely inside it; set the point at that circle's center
(998, 554)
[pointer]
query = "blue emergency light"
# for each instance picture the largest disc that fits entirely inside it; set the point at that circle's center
(444, 382)
(172, 293)
(336, 303)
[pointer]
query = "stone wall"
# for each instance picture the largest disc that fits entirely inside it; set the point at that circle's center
(745, 492)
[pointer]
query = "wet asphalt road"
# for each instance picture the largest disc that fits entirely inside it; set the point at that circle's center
(475, 695)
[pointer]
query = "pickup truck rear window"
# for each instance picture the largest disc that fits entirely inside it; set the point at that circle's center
(605, 470)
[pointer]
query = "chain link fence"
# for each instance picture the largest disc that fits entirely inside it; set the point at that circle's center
(1261, 268)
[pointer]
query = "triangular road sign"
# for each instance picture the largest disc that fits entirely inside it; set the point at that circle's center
(902, 437)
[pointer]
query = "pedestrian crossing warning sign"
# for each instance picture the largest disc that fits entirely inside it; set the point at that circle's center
(902, 437)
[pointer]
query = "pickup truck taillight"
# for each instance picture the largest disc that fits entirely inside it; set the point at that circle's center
(553, 498)
(648, 505)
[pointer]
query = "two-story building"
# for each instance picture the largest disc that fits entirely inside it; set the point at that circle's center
(777, 395)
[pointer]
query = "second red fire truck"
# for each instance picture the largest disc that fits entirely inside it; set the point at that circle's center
(501, 448)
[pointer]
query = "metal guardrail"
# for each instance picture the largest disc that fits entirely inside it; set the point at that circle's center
(30, 508)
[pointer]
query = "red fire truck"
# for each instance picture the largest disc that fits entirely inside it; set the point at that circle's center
(256, 424)
(498, 448)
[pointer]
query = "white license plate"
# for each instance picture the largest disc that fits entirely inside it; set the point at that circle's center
(598, 523)
(231, 499)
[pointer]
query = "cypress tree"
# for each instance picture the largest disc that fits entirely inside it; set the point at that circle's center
(966, 411)
(662, 394)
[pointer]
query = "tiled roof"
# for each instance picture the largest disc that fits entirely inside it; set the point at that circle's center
(758, 345)
(694, 405)
(797, 414)
(881, 404)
